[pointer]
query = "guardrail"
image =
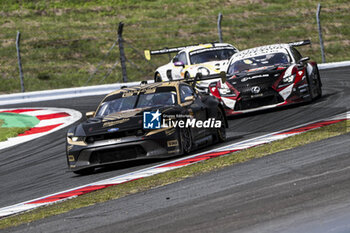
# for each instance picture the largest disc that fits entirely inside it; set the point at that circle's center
(67, 93)
(37, 96)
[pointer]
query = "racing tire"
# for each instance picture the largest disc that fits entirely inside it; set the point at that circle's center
(311, 88)
(186, 140)
(314, 84)
(319, 85)
(157, 78)
(85, 171)
(221, 132)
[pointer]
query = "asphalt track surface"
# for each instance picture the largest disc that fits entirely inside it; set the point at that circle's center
(305, 189)
(38, 167)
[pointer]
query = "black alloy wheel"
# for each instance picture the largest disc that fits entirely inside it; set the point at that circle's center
(221, 132)
(186, 140)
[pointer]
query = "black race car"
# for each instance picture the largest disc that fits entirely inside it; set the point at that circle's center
(266, 77)
(147, 121)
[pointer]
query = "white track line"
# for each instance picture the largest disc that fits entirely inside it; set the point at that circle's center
(72, 116)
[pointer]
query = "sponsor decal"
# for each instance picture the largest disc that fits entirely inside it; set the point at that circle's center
(173, 143)
(111, 123)
(169, 132)
(247, 61)
(286, 91)
(254, 77)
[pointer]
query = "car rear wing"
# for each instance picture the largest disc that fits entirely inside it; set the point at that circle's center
(199, 77)
(148, 53)
(299, 43)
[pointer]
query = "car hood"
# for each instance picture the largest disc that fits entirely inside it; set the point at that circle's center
(119, 121)
(264, 75)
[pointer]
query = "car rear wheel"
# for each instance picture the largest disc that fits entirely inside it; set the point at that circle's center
(157, 78)
(221, 132)
(186, 140)
(319, 85)
(315, 89)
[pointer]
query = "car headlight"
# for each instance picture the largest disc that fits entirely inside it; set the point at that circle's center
(204, 71)
(76, 139)
(288, 79)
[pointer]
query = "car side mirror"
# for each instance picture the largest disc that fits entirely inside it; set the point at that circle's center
(223, 76)
(179, 63)
(304, 59)
(89, 114)
(189, 98)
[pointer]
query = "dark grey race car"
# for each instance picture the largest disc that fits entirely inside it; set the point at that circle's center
(117, 132)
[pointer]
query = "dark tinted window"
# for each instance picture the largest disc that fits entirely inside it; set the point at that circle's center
(182, 58)
(147, 97)
(185, 91)
(251, 63)
(212, 54)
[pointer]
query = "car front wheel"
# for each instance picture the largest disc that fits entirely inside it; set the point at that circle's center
(186, 140)
(221, 132)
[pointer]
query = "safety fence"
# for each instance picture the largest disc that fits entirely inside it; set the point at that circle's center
(84, 48)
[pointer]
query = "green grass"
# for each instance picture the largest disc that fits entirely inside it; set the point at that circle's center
(63, 41)
(176, 175)
(6, 133)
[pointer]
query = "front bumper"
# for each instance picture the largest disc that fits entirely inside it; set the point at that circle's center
(270, 98)
(124, 149)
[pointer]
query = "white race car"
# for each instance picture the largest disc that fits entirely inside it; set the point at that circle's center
(207, 59)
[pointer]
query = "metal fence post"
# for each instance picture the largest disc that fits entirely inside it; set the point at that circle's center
(219, 27)
(320, 32)
(18, 38)
(121, 50)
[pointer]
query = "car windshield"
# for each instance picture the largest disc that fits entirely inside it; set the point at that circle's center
(137, 101)
(212, 54)
(253, 63)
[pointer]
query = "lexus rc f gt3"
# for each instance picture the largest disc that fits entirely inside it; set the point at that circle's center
(267, 77)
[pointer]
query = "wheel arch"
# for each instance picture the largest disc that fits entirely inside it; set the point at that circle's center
(223, 112)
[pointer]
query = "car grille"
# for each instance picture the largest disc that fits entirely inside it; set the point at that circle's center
(114, 135)
(246, 87)
(116, 154)
(250, 103)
